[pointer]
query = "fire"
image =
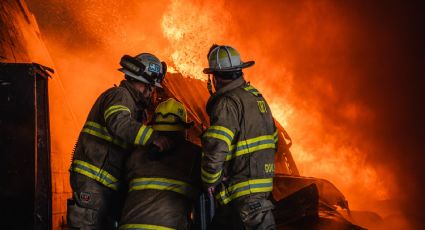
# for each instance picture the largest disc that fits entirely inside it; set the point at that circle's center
(282, 40)
(320, 151)
(191, 28)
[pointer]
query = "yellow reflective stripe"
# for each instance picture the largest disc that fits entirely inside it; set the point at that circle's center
(229, 156)
(255, 148)
(160, 184)
(250, 182)
(143, 135)
(218, 136)
(245, 188)
(255, 139)
(148, 136)
(113, 109)
(252, 90)
(94, 124)
(252, 145)
(178, 182)
(210, 178)
(97, 134)
(95, 173)
(276, 137)
(223, 129)
(221, 133)
(144, 227)
(97, 130)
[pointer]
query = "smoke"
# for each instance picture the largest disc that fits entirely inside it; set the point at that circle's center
(342, 77)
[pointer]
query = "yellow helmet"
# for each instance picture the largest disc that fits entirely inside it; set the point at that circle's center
(170, 115)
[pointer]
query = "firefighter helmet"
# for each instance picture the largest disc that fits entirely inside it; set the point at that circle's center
(170, 115)
(144, 67)
(225, 59)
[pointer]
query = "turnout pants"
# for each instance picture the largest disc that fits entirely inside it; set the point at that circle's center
(248, 212)
(93, 206)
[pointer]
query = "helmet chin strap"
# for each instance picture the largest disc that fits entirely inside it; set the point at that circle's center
(209, 85)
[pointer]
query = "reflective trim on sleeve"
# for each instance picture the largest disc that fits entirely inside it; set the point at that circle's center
(252, 145)
(101, 132)
(113, 109)
(143, 135)
(95, 173)
(158, 183)
(144, 227)
(245, 188)
(210, 178)
(221, 133)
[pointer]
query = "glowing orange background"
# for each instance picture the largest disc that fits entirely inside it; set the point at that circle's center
(312, 63)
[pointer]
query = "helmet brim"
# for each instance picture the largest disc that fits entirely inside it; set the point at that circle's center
(230, 69)
(139, 78)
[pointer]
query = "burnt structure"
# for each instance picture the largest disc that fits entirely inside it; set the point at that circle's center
(25, 147)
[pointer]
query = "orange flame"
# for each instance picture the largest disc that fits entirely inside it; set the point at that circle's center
(191, 28)
(320, 151)
(181, 31)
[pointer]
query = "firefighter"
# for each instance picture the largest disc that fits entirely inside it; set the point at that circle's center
(238, 148)
(163, 188)
(114, 125)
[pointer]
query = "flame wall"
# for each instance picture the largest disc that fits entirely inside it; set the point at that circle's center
(331, 70)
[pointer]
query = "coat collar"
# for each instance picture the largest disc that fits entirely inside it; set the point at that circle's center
(137, 96)
(232, 85)
(229, 87)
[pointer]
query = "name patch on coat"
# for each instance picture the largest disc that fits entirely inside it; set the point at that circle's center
(269, 168)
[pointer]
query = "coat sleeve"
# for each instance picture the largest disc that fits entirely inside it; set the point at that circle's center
(217, 140)
(118, 113)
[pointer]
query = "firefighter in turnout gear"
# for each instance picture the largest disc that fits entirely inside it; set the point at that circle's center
(114, 125)
(239, 146)
(163, 188)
